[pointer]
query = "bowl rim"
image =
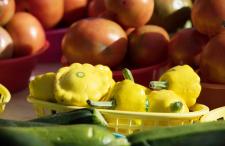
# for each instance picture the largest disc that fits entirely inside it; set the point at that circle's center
(210, 85)
(17, 59)
(144, 69)
(213, 85)
(133, 70)
(56, 31)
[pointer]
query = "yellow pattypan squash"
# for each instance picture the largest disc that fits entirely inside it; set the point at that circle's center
(181, 79)
(126, 95)
(5, 97)
(42, 87)
(77, 83)
(166, 101)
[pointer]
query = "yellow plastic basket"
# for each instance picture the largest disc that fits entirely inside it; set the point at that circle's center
(129, 122)
(214, 115)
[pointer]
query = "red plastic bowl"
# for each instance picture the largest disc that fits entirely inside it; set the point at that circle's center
(15, 72)
(212, 95)
(53, 53)
(144, 75)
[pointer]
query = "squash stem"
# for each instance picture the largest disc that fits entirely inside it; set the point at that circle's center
(176, 106)
(101, 104)
(127, 74)
(158, 85)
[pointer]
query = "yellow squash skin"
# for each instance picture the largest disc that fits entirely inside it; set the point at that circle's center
(184, 81)
(5, 97)
(77, 83)
(130, 96)
(161, 100)
(42, 87)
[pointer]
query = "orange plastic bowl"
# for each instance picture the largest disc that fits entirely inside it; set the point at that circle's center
(53, 53)
(15, 72)
(212, 95)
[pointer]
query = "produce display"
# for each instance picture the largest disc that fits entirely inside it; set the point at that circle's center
(125, 96)
(85, 85)
(177, 47)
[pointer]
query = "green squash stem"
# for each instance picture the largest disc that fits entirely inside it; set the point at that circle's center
(176, 106)
(110, 104)
(127, 74)
(158, 85)
(147, 104)
(101, 104)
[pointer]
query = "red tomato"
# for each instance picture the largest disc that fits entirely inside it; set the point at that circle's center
(148, 45)
(131, 13)
(95, 41)
(6, 44)
(74, 10)
(48, 12)
(96, 7)
(212, 60)
(185, 47)
(7, 10)
(207, 16)
(27, 33)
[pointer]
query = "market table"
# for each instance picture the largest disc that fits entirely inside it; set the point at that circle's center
(18, 108)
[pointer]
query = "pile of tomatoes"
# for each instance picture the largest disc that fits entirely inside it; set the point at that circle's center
(121, 33)
(21, 32)
(115, 34)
